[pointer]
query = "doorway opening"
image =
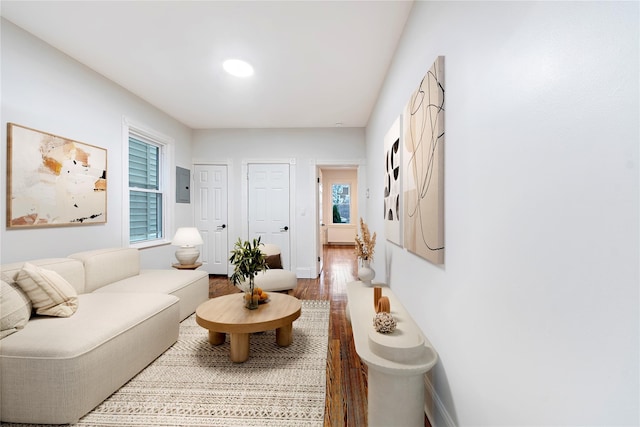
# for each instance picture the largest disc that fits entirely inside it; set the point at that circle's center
(339, 202)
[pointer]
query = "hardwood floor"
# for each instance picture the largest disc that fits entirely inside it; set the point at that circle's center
(346, 401)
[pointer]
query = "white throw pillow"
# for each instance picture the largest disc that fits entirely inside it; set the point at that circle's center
(50, 293)
(15, 309)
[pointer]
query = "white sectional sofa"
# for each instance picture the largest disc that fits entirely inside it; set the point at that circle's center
(54, 370)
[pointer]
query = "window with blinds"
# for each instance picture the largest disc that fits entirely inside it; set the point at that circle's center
(145, 190)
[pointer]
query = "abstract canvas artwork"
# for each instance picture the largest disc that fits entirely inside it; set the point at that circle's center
(423, 167)
(53, 181)
(392, 180)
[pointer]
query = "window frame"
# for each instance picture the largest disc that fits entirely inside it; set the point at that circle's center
(165, 145)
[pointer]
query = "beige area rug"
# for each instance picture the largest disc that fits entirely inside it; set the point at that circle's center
(195, 384)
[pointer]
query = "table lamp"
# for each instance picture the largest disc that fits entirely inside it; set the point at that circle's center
(187, 238)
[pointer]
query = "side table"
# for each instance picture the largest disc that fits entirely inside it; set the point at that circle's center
(396, 361)
(187, 266)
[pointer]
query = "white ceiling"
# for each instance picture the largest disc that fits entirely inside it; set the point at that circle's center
(317, 63)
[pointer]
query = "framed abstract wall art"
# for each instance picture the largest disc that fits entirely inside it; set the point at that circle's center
(53, 181)
(392, 181)
(423, 167)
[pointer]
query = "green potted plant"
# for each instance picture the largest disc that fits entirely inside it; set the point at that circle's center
(248, 260)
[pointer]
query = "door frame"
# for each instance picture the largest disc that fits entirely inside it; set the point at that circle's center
(244, 215)
(363, 195)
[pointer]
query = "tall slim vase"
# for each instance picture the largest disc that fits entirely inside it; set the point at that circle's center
(250, 300)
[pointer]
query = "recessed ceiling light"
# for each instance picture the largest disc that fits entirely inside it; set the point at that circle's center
(237, 68)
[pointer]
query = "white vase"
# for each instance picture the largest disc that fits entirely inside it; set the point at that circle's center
(366, 273)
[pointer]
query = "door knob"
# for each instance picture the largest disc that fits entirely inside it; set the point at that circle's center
(222, 227)
(285, 228)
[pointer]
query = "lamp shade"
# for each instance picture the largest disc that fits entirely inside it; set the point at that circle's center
(187, 236)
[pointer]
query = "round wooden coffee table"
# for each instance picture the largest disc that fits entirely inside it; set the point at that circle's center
(227, 315)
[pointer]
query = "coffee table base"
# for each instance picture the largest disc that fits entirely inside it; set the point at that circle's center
(239, 347)
(216, 338)
(284, 335)
(240, 342)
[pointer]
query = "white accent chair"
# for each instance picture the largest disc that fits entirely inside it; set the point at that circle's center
(275, 278)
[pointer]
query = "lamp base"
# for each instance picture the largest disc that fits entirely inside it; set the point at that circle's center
(187, 255)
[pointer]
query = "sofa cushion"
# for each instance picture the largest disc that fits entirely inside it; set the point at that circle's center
(50, 293)
(269, 249)
(15, 308)
(104, 266)
(100, 317)
(272, 255)
(274, 262)
(71, 269)
(191, 286)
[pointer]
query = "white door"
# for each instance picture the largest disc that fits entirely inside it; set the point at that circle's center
(268, 208)
(211, 216)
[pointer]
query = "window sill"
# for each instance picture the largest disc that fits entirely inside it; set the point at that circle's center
(150, 244)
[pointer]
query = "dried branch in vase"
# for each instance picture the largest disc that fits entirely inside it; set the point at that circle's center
(365, 245)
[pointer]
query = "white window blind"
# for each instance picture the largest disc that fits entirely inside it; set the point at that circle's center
(146, 192)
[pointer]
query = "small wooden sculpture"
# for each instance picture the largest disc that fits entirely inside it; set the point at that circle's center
(377, 293)
(383, 305)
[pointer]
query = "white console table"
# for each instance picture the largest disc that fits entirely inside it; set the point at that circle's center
(396, 361)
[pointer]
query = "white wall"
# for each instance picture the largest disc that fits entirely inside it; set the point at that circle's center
(46, 90)
(306, 148)
(535, 312)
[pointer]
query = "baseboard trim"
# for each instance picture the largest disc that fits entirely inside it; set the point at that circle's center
(437, 411)
(304, 273)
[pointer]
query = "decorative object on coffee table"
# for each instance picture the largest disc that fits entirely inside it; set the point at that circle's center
(248, 260)
(187, 238)
(365, 247)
